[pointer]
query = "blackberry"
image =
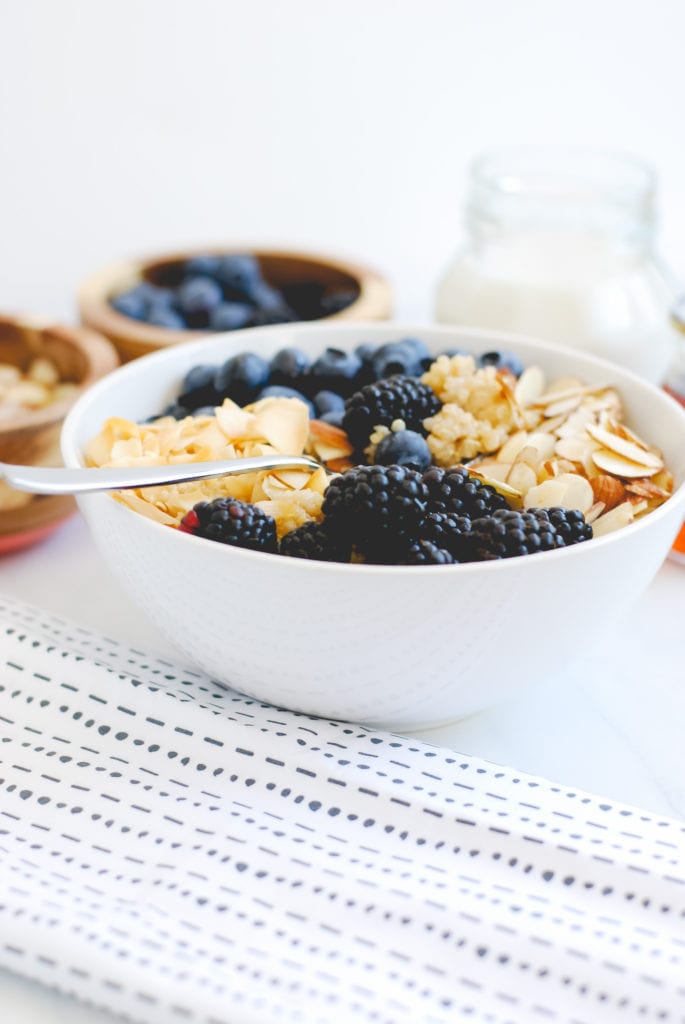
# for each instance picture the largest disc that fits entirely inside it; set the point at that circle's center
(230, 521)
(448, 531)
(396, 397)
(379, 508)
(506, 534)
(424, 552)
(569, 523)
(453, 490)
(316, 541)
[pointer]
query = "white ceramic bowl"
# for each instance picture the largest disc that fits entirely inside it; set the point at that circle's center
(402, 647)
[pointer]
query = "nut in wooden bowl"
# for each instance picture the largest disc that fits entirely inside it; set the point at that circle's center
(146, 305)
(44, 368)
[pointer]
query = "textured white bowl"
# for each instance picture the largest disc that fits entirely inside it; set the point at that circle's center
(402, 647)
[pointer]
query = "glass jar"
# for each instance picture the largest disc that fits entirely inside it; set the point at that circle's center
(560, 246)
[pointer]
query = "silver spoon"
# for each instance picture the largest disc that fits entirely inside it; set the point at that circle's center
(46, 480)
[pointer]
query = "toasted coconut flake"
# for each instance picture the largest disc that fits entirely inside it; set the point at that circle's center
(283, 422)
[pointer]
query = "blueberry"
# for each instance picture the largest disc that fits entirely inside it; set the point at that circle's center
(366, 351)
(197, 388)
(328, 401)
(289, 365)
(204, 410)
(449, 352)
(242, 377)
(280, 391)
(205, 266)
(417, 345)
(335, 302)
(502, 361)
(230, 316)
(165, 316)
(197, 298)
(262, 317)
(336, 370)
(335, 418)
(304, 298)
(240, 274)
(130, 304)
(156, 295)
(270, 306)
(396, 357)
(403, 448)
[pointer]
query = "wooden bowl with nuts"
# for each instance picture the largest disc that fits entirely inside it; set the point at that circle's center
(44, 368)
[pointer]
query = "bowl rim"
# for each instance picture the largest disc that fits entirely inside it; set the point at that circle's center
(96, 311)
(500, 339)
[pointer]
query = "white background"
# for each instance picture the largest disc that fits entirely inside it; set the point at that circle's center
(133, 126)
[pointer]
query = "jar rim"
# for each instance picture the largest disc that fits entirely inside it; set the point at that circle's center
(564, 173)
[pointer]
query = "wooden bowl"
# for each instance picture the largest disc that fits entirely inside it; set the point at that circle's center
(31, 437)
(133, 338)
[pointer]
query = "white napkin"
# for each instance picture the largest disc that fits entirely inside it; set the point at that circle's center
(177, 852)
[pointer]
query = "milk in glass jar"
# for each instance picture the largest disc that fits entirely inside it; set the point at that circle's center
(560, 247)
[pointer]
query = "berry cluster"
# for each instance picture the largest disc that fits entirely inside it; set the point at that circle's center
(357, 391)
(225, 293)
(401, 510)
(394, 515)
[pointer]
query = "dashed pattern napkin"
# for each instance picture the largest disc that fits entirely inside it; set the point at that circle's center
(176, 852)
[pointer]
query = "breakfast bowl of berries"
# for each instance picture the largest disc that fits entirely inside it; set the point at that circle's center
(44, 367)
(481, 507)
(144, 305)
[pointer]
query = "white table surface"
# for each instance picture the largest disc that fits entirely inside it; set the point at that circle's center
(612, 724)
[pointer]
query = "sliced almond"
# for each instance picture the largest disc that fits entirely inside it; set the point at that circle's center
(576, 449)
(552, 397)
(563, 405)
(522, 477)
(648, 489)
(608, 490)
(512, 446)
(329, 442)
(568, 490)
(498, 485)
(491, 468)
(616, 519)
(543, 443)
(609, 462)
(529, 386)
(529, 456)
(594, 512)
(550, 425)
(627, 449)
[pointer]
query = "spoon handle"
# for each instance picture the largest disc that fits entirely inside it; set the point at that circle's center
(48, 480)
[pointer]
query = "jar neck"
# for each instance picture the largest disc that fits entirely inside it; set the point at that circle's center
(553, 193)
